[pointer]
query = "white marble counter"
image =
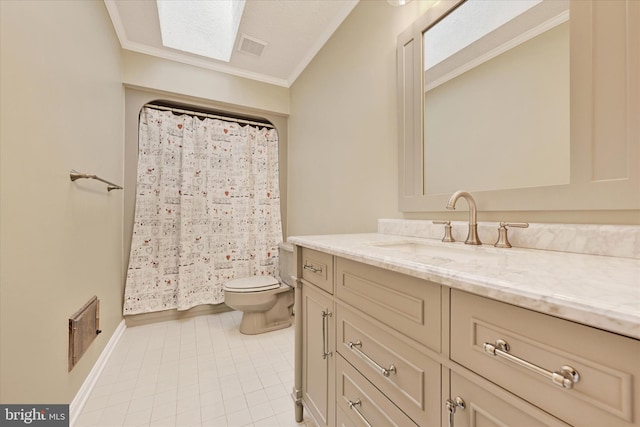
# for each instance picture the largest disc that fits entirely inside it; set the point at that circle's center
(599, 291)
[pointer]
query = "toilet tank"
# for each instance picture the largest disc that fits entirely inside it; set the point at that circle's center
(287, 268)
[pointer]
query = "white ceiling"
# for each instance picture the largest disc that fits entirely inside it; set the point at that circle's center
(294, 30)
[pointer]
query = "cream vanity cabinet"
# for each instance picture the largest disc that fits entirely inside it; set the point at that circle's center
(380, 348)
(370, 344)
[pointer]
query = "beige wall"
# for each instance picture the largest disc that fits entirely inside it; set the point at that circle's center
(343, 134)
(62, 107)
(149, 72)
(342, 128)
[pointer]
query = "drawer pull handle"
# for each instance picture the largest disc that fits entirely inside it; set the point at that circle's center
(355, 346)
(566, 377)
(312, 269)
(353, 405)
(325, 336)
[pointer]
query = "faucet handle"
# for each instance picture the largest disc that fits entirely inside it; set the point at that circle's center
(448, 237)
(503, 241)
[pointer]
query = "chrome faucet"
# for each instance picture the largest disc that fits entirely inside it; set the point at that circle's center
(472, 236)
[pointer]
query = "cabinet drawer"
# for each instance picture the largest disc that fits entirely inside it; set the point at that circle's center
(487, 409)
(407, 304)
(607, 392)
(360, 401)
(411, 381)
(317, 268)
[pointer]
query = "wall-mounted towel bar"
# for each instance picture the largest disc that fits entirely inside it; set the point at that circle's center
(77, 175)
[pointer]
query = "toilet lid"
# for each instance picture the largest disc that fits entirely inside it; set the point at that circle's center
(252, 284)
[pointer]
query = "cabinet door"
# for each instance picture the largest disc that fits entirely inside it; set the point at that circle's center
(485, 407)
(318, 347)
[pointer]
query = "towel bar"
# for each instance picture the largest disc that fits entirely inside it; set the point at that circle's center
(77, 175)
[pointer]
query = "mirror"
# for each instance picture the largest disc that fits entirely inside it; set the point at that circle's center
(496, 97)
(513, 164)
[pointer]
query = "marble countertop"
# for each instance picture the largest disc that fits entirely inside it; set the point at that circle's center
(599, 291)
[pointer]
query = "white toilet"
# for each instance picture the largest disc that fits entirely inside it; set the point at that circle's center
(266, 303)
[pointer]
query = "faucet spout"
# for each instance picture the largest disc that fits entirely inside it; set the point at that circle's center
(472, 236)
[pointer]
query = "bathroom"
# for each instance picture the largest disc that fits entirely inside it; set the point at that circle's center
(64, 88)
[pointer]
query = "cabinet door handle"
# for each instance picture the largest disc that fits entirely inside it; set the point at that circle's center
(312, 269)
(325, 336)
(566, 377)
(353, 405)
(355, 346)
(452, 405)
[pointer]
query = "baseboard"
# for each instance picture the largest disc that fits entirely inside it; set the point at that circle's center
(75, 408)
(165, 315)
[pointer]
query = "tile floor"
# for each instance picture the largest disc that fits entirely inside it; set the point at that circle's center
(196, 372)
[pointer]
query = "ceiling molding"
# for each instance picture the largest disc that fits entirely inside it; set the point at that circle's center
(202, 63)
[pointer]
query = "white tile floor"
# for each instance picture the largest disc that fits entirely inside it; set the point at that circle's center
(196, 372)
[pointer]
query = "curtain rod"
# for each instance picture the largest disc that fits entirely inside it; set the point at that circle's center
(211, 116)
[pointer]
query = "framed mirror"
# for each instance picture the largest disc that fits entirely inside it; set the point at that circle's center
(508, 100)
(496, 97)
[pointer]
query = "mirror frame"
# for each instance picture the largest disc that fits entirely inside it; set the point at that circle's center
(605, 105)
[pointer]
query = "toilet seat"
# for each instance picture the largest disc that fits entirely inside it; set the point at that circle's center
(252, 284)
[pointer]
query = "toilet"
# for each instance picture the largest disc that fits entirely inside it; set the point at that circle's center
(265, 302)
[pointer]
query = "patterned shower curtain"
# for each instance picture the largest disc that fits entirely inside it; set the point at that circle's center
(207, 210)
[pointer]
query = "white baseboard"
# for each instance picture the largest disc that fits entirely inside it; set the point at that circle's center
(75, 407)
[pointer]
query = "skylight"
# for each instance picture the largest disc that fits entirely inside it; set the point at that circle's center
(203, 27)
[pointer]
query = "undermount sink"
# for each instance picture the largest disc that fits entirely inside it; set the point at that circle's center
(449, 251)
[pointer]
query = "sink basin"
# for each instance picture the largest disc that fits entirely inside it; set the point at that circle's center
(452, 252)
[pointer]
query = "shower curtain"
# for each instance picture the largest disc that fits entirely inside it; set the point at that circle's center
(207, 210)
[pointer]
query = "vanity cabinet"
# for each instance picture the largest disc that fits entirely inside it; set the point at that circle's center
(384, 336)
(385, 348)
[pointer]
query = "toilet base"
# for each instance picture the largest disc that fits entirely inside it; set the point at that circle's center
(256, 323)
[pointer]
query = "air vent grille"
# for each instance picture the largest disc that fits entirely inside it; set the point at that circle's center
(251, 45)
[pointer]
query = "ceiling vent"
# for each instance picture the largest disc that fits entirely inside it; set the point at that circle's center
(251, 45)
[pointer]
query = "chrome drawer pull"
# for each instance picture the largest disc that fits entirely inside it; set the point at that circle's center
(312, 269)
(352, 405)
(566, 377)
(325, 336)
(355, 346)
